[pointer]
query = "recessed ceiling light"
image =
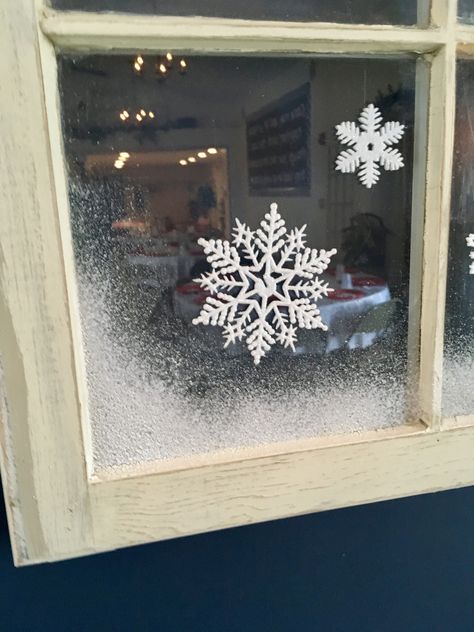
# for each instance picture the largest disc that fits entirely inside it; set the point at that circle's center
(183, 162)
(140, 60)
(169, 56)
(142, 112)
(212, 150)
(124, 155)
(191, 159)
(118, 164)
(202, 154)
(137, 66)
(151, 115)
(126, 114)
(138, 117)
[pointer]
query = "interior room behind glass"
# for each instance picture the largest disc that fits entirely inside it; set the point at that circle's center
(350, 11)
(163, 150)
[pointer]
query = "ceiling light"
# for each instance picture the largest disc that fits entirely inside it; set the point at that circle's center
(137, 66)
(212, 150)
(191, 159)
(163, 68)
(126, 114)
(169, 56)
(140, 60)
(182, 63)
(118, 164)
(183, 162)
(142, 112)
(138, 117)
(122, 116)
(124, 155)
(151, 115)
(202, 154)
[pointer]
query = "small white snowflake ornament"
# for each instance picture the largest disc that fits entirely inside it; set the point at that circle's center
(470, 244)
(263, 285)
(370, 146)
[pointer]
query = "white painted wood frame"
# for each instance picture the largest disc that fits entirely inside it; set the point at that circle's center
(56, 507)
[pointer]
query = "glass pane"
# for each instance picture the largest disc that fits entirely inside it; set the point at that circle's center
(159, 159)
(458, 391)
(466, 11)
(351, 11)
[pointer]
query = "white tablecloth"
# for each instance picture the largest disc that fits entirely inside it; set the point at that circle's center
(340, 316)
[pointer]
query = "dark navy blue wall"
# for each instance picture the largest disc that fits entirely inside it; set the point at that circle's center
(399, 566)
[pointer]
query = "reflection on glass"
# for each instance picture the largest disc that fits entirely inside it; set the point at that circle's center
(226, 139)
(350, 11)
(458, 391)
(466, 11)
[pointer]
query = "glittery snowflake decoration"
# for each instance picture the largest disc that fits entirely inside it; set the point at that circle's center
(370, 145)
(263, 285)
(470, 244)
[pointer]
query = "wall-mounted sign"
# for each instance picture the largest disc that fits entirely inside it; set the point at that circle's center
(278, 150)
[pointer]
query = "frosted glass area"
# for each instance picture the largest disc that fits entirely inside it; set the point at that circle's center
(458, 391)
(185, 162)
(350, 11)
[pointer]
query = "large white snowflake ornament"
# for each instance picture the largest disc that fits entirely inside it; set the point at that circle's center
(263, 285)
(470, 244)
(370, 145)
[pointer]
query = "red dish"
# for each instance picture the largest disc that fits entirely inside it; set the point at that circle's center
(367, 281)
(201, 299)
(189, 288)
(345, 295)
(347, 270)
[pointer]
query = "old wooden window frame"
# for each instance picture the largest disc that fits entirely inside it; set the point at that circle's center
(56, 507)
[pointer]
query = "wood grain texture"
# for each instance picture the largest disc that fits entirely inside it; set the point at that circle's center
(41, 442)
(54, 510)
(146, 508)
(441, 115)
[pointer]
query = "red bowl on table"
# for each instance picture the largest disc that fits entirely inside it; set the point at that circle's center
(367, 281)
(345, 295)
(189, 288)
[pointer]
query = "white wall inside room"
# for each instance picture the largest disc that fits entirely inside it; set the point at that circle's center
(220, 93)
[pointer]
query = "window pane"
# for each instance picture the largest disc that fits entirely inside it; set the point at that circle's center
(458, 395)
(156, 163)
(466, 11)
(351, 11)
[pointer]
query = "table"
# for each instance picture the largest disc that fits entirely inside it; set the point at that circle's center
(340, 316)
